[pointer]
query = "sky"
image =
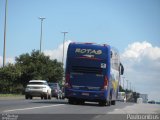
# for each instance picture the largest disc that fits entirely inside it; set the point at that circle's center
(131, 26)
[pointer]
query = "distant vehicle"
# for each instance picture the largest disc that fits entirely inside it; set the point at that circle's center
(55, 90)
(92, 73)
(152, 102)
(38, 88)
(139, 100)
(157, 102)
(144, 97)
(121, 96)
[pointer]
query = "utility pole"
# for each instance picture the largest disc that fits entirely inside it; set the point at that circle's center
(41, 18)
(133, 88)
(63, 47)
(5, 27)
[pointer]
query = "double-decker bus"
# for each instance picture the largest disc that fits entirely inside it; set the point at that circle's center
(92, 74)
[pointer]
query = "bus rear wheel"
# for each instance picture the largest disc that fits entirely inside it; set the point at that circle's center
(113, 102)
(70, 101)
(80, 102)
(102, 103)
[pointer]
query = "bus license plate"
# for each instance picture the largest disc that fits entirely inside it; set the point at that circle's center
(86, 94)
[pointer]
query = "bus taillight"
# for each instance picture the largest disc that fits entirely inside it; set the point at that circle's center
(105, 83)
(67, 84)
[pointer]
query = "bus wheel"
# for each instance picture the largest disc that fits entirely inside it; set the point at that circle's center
(80, 102)
(113, 102)
(70, 101)
(102, 103)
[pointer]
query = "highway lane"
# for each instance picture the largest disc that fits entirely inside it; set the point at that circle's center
(54, 106)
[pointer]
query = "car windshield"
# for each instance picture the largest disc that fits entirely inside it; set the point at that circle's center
(37, 83)
(53, 85)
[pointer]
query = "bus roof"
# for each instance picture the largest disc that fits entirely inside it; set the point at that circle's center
(88, 43)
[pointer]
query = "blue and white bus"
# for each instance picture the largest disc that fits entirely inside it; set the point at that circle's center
(92, 74)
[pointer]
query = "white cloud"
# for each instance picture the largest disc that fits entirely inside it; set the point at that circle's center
(58, 52)
(142, 66)
(8, 60)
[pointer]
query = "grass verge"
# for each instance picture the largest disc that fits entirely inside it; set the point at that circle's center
(11, 96)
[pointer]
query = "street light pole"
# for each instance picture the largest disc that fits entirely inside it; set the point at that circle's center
(5, 25)
(41, 18)
(63, 47)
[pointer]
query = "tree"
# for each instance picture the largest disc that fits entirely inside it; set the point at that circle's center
(14, 77)
(121, 89)
(38, 66)
(9, 78)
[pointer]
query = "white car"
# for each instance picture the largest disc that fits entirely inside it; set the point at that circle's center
(38, 88)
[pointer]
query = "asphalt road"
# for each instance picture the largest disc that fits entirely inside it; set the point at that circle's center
(61, 108)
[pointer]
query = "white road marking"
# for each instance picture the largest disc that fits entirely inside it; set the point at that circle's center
(33, 108)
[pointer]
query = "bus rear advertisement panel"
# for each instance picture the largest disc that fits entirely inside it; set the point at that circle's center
(89, 76)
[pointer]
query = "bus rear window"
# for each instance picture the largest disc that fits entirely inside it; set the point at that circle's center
(82, 69)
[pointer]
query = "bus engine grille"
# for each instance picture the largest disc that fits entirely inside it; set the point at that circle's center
(91, 70)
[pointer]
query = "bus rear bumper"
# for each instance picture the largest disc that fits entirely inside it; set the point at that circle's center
(93, 96)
